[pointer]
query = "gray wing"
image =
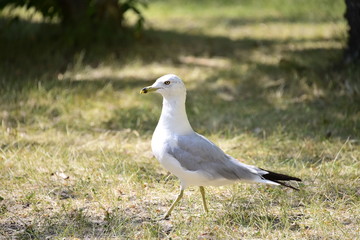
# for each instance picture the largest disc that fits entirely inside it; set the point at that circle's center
(194, 152)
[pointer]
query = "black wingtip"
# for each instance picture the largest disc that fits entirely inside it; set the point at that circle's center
(278, 178)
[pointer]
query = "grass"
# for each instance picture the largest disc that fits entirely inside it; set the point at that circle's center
(263, 83)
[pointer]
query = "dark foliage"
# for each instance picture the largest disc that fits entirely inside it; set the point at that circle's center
(86, 13)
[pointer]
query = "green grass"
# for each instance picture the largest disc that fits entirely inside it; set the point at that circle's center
(263, 83)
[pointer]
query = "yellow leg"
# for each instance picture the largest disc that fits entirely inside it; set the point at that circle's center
(174, 203)
(202, 190)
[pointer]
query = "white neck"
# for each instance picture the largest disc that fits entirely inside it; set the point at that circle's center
(173, 116)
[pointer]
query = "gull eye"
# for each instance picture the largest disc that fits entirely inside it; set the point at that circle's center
(167, 82)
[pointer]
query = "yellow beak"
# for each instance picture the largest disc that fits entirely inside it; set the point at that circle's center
(148, 89)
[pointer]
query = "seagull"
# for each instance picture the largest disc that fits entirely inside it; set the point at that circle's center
(194, 159)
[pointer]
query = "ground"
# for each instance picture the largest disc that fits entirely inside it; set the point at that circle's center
(264, 83)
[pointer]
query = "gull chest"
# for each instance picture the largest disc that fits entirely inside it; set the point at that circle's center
(161, 141)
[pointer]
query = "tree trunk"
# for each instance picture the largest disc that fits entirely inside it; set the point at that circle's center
(352, 15)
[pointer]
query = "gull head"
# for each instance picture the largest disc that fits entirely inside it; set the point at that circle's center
(169, 86)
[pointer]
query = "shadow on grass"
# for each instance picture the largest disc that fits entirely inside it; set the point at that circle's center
(80, 224)
(76, 223)
(323, 101)
(30, 51)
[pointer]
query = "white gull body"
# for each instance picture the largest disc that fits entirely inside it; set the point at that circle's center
(174, 140)
(191, 157)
